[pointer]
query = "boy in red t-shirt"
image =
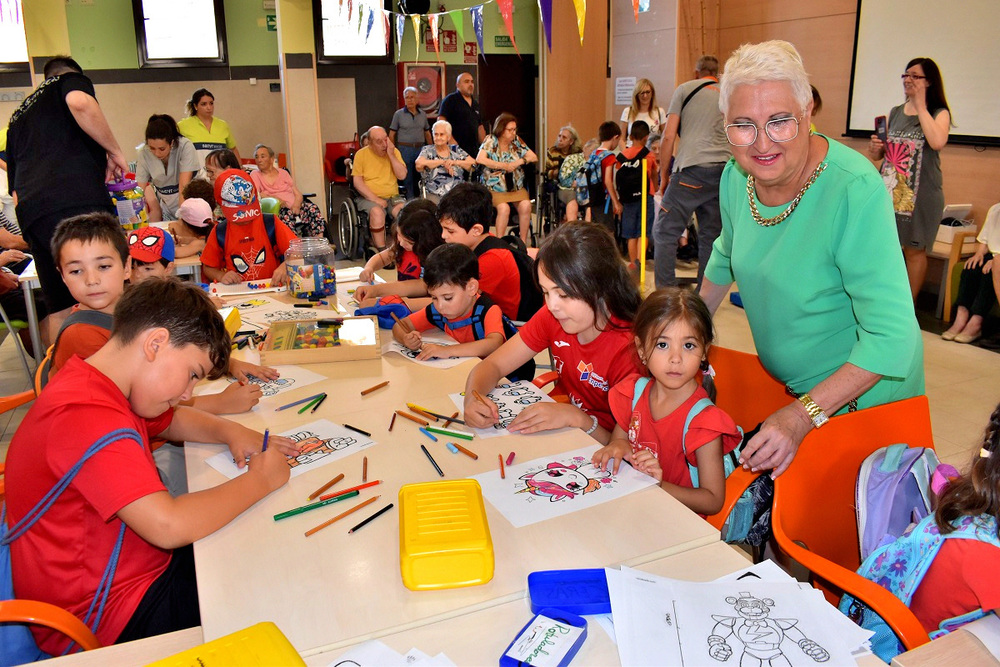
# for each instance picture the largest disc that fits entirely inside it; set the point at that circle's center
(624, 183)
(166, 337)
(254, 246)
(466, 212)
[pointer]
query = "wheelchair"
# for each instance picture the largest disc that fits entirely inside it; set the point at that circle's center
(354, 236)
(551, 210)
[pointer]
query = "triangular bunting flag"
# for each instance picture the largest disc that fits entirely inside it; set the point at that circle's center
(400, 27)
(459, 21)
(507, 11)
(545, 12)
(432, 23)
(477, 24)
(415, 18)
(581, 16)
(350, 10)
(385, 27)
(361, 16)
(635, 10)
(371, 22)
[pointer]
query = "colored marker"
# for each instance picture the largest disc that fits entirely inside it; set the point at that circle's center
(375, 388)
(451, 419)
(422, 413)
(302, 305)
(267, 434)
(468, 452)
(371, 518)
(428, 434)
(503, 474)
(298, 402)
(450, 433)
(412, 418)
(314, 402)
(317, 404)
(321, 503)
(510, 459)
(317, 492)
(417, 408)
(433, 462)
(392, 422)
(359, 487)
(364, 470)
(357, 430)
(451, 447)
(341, 516)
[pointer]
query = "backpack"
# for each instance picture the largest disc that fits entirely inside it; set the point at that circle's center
(571, 165)
(531, 297)
(17, 644)
(740, 520)
(628, 178)
(900, 566)
(591, 177)
(893, 491)
(91, 317)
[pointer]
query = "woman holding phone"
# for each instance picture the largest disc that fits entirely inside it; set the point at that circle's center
(911, 165)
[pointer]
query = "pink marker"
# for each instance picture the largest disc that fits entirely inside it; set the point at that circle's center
(510, 458)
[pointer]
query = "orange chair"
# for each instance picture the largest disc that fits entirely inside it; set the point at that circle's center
(335, 160)
(814, 518)
(31, 612)
(748, 394)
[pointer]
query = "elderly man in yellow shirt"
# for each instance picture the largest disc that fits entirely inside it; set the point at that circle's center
(377, 169)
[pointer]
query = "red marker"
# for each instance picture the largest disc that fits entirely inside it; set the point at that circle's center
(353, 488)
(510, 458)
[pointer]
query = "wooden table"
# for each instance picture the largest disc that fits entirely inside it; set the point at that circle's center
(139, 652)
(333, 588)
(957, 649)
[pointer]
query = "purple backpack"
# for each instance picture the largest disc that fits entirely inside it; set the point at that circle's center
(893, 491)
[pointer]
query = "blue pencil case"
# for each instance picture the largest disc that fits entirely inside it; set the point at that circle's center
(574, 591)
(552, 635)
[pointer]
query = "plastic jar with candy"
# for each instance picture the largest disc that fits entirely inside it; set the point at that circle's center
(129, 202)
(310, 264)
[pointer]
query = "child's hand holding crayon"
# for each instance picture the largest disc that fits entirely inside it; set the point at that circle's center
(480, 412)
(238, 397)
(413, 340)
(271, 466)
(244, 442)
(433, 351)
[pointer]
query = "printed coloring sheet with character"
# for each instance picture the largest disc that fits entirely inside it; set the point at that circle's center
(292, 377)
(557, 485)
(432, 336)
(335, 442)
(511, 398)
(723, 623)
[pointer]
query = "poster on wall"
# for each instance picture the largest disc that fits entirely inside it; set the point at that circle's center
(428, 79)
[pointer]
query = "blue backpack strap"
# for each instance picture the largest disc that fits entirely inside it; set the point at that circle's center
(97, 605)
(695, 410)
(640, 386)
(220, 235)
(272, 236)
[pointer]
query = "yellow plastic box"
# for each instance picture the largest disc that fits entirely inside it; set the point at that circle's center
(262, 644)
(444, 539)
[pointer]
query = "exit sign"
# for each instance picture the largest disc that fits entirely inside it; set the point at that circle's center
(502, 42)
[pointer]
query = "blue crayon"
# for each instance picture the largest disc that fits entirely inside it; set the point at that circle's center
(428, 434)
(452, 448)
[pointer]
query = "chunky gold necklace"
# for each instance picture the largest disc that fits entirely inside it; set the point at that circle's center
(778, 219)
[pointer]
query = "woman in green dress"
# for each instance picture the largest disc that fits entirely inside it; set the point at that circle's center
(809, 235)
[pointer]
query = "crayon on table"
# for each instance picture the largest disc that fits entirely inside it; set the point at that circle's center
(422, 413)
(451, 419)
(341, 516)
(451, 447)
(468, 452)
(314, 402)
(392, 422)
(321, 503)
(317, 492)
(433, 462)
(318, 403)
(357, 430)
(510, 459)
(359, 487)
(418, 420)
(435, 415)
(369, 390)
(307, 399)
(428, 434)
(450, 433)
(503, 474)
(364, 470)
(372, 517)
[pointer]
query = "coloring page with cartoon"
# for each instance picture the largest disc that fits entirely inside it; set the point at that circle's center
(327, 443)
(430, 336)
(511, 398)
(291, 377)
(557, 485)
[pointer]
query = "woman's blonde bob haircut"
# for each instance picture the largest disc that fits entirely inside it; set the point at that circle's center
(751, 64)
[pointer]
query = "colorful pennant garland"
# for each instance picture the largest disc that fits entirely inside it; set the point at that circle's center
(581, 16)
(545, 12)
(477, 24)
(507, 12)
(432, 23)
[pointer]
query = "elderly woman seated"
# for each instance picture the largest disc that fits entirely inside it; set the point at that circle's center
(304, 217)
(443, 164)
(562, 162)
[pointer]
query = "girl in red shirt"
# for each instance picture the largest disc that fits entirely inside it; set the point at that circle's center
(673, 331)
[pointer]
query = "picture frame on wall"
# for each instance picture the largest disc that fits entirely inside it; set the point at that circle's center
(428, 79)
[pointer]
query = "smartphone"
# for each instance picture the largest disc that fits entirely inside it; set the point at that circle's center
(881, 129)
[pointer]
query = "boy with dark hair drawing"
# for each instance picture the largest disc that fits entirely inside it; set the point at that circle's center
(166, 337)
(466, 214)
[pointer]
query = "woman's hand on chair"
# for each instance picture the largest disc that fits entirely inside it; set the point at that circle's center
(775, 445)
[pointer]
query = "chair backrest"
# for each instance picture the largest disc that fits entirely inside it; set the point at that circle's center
(744, 388)
(270, 205)
(814, 500)
(32, 612)
(335, 158)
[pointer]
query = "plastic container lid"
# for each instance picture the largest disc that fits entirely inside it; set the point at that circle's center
(575, 591)
(552, 638)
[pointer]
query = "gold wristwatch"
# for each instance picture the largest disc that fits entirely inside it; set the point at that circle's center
(816, 413)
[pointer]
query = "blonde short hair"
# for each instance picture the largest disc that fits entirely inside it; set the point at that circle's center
(776, 60)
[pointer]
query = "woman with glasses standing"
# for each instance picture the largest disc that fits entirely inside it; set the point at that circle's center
(918, 129)
(643, 108)
(807, 232)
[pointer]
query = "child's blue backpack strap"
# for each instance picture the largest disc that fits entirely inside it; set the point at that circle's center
(17, 645)
(900, 566)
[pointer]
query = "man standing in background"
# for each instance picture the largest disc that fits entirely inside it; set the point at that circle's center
(60, 152)
(462, 110)
(694, 116)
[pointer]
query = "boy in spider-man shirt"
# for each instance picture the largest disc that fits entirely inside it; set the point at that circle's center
(249, 245)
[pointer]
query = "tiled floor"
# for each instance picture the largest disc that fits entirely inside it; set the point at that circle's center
(961, 385)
